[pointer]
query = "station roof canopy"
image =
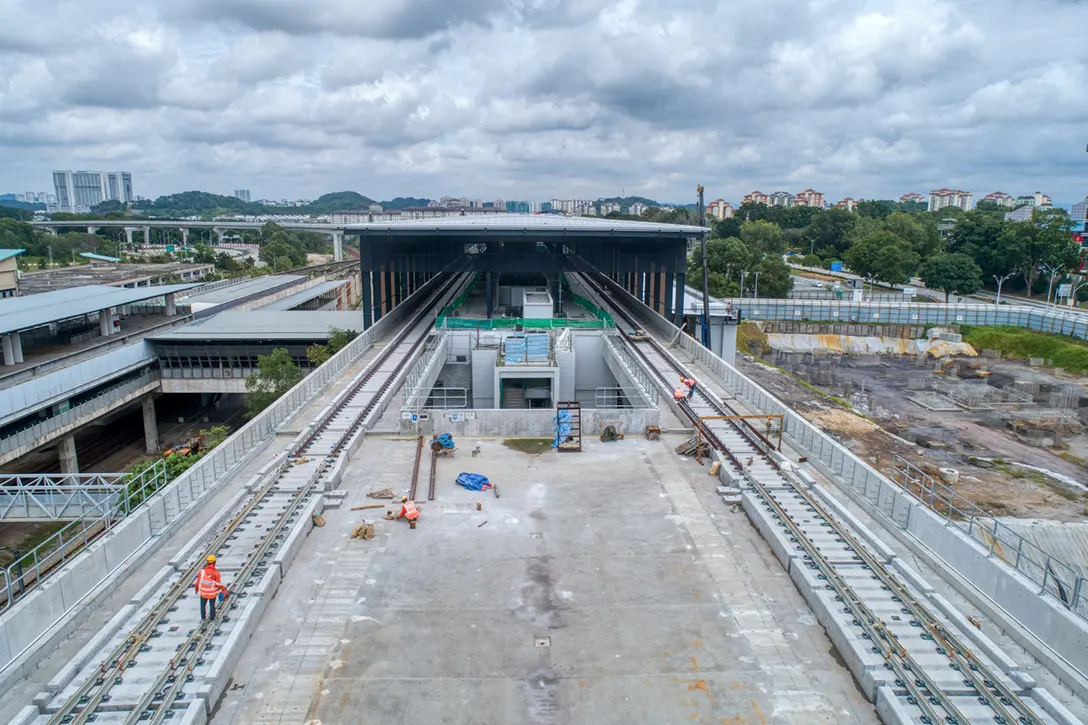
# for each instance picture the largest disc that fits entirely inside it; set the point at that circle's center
(9, 253)
(509, 225)
(262, 326)
(30, 311)
(98, 257)
(304, 296)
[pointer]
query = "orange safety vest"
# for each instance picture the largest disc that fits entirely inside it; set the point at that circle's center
(679, 393)
(207, 583)
(690, 382)
(409, 511)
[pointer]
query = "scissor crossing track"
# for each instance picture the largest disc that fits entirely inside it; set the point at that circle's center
(933, 675)
(154, 670)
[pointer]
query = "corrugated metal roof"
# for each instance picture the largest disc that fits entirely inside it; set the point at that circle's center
(304, 296)
(9, 253)
(24, 313)
(261, 325)
(554, 223)
(1065, 541)
(242, 289)
(98, 257)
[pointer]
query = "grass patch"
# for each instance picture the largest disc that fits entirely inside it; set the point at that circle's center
(747, 333)
(532, 446)
(1064, 352)
(1067, 456)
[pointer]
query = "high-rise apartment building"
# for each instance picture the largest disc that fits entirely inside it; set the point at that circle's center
(1000, 198)
(78, 191)
(941, 198)
(809, 197)
(242, 194)
(719, 209)
(756, 197)
(636, 209)
(911, 196)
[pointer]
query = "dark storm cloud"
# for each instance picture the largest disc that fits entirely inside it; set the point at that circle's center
(534, 98)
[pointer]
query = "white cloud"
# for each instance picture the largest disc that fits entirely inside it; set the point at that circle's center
(533, 98)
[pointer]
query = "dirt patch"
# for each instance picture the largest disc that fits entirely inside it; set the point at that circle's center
(532, 446)
(842, 421)
(931, 440)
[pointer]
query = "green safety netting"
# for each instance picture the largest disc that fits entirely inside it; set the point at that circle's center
(460, 299)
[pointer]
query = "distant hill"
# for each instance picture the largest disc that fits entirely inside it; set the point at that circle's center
(202, 203)
(403, 202)
(626, 201)
(336, 201)
(4, 201)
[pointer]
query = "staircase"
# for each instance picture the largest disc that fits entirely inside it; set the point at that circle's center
(513, 397)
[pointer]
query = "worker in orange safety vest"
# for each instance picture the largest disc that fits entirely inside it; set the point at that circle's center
(690, 382)
(208, 586)
(679, 393)
(408, 509)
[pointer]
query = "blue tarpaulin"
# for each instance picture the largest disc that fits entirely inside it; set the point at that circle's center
(446, 440)
(562, 427)
(473, 481)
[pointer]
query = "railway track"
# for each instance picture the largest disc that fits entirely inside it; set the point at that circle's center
(931, 672)
(155, 670)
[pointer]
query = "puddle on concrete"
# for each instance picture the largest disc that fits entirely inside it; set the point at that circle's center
(532, 446)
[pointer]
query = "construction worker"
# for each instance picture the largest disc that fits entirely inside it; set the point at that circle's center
(679, 393)
(690, 382)
(408, 509)
(208, 587)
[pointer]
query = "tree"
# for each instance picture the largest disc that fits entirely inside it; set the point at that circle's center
(828, 234)
(214, 436)
(952, 273)
(914, 232)
(1045, 240)
(318, 354)
(876, 208)
(276, 374)
(977, 235)
(763, 238)
(339, 339)
(884, 257)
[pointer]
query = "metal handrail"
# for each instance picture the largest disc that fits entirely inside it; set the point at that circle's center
(36, 565)
(1053, 575)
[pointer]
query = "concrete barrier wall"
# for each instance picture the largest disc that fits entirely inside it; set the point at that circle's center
(40, 619)
(529, 423)
(1045, 623)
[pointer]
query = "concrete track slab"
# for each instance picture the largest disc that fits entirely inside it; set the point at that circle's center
(611, 586)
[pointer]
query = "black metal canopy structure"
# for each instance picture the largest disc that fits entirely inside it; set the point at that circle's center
(647, 258)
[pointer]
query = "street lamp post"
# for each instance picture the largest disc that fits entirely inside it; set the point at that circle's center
(755, 292)
(743, 274)
(1000, 281)
(1053, 271)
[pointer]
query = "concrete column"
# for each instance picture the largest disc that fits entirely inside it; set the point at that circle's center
(338, 246)
(17, 347)
(218, 235)
(9, 354)
(105, 322)
(151, 427)
(91, 229)
(128, 237)
(66, 451)
(487, 294)
(678, 306)
(147, 236)
(368, 300)
(670, 293)
(171, 305)
(185, 236)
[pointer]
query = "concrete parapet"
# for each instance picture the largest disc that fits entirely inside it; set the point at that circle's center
(289, 549)
(90, 650)
(878, 547)
(530, 423)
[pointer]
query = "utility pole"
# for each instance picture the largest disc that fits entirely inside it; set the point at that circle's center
(706, 274)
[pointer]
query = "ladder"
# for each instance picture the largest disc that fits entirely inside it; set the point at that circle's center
(572, 441)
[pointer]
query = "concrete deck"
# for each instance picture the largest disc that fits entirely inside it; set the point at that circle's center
(610, 586)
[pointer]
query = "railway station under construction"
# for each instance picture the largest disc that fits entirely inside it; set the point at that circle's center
(598, 577)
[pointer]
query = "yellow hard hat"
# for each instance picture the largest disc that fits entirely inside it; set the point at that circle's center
(211, 558)
(403, 499)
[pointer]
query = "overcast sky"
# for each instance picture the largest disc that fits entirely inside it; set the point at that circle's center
(533, 99)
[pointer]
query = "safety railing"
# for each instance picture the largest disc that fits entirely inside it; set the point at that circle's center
(646, 392)
(31, 568)
(1052, 575)
(52, 497)
(616, 397)
(446, 399)
(514, 323)
(104, 400)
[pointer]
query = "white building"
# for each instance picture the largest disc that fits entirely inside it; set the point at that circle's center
(782, 198)
(78, 191)
(609, 207)
(720, 209)
(941, 198)
(637, 209)
(242, 194)
(1038, 199)
(1000, 198)
(809, 197)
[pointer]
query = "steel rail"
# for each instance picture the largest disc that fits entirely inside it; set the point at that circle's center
(911, 675)
(81, 705)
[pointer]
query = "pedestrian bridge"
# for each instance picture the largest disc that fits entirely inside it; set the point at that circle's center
(61, 497)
